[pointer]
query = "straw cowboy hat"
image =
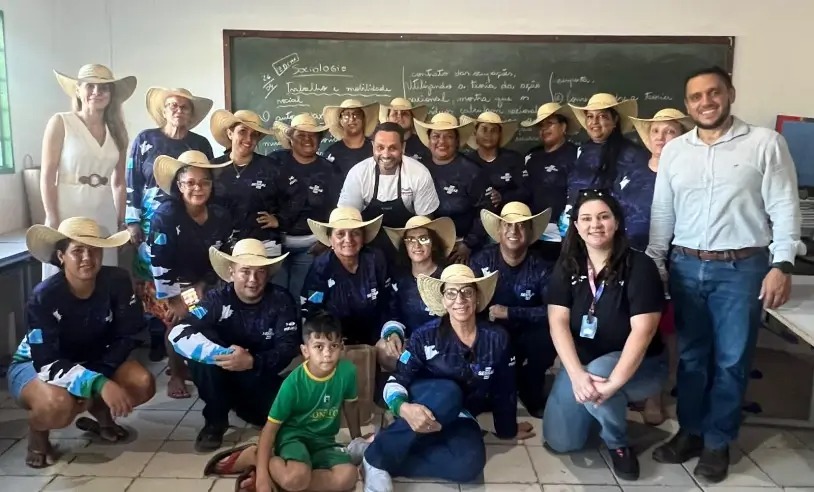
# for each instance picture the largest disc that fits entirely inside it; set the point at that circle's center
(303, 122)
(626, 109)
(508, 129)
(94, 73)
(399, 103)
(246, 252)
(548, 109)
(444, 227)
(642, 125)
(42, 240)
(331, 116)
(344, 218)
(445, 121)
(165, 167)
(429, 288)
(515, 213)
(156, 96)
(222, 120)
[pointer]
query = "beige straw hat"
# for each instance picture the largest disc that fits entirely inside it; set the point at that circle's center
(399, 103)
(41, 240)
(246, 252)
(642, 125)
(94, 73)
(331, 117)
(550, 108)
(429, 288)
(514, 213)
(508, 129)
(345, 218)
(156, 96)
(303, 122)
(626, 109)
(444, 227)
(222, 120)
(445, 121)
(165, 167)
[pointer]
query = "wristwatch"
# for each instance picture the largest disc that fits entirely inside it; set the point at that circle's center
(786, 267)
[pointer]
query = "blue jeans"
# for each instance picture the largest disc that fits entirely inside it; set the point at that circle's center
(292, 274)
(567, 424)
(455, 453)
(717, 315)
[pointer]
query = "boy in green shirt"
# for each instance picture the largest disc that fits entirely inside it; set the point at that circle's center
(298, 448)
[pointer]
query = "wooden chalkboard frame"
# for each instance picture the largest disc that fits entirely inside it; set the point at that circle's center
(228, 35)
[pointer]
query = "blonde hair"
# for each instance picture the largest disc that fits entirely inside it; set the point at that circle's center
(114, 119)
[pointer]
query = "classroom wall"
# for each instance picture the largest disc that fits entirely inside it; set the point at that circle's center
(179, 43)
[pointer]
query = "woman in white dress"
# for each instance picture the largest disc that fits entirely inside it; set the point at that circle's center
(83, 154)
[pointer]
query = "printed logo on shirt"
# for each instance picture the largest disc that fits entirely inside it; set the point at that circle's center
(486, 373)
(159, 238)
(198, 311)
(506, 177)
(144, 147)
(330, 158)
(331, 282)
(528, 156)
(373, 294)
(579, 151)
(177, 230)
(430, 352)
(395, 287)
(512, 362)
(57, 316)
(551, 168)
(450, 189)
(315, 189)
(258, 185)
(291, 180)
(290, 326)
(527, 295)
(316, 297)
(405, 357)
(109, 317)
(525, 173)
(485, 270)
(226, 313)
(132, 299)
(624, 182)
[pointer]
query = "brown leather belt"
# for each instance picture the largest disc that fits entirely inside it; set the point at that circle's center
(724, 255)
(94, 180)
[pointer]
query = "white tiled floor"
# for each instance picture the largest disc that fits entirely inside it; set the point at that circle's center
(161, 458)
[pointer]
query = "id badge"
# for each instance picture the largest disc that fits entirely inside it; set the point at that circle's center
(190, 297)
(588, 327)
(273, 248)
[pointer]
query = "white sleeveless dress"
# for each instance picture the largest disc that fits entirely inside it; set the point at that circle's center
(83, 166)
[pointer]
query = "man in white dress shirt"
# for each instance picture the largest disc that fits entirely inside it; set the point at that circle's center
(726, 195)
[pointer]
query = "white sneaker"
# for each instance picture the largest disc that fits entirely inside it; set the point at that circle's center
(356, 450)
(376, 480)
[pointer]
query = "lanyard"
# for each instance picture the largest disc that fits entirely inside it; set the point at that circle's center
(597, 292)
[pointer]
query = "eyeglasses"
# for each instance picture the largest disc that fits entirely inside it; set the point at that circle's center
(173, 107)
(352, 116)
(466, 293)
(422, 240)
(191, 184)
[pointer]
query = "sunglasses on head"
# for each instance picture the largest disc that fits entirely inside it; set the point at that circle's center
(594, 192)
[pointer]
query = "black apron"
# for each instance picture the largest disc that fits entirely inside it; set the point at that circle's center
(394, 212)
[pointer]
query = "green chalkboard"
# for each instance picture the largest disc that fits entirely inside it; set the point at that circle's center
(280, 74)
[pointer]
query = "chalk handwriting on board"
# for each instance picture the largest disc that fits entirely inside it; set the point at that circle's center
(282, 65)
(268, 84)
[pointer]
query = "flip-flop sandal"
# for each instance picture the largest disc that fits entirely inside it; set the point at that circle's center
(243, 476)
(181, 394)
(114, 433)
(47, 459)
(232, 455)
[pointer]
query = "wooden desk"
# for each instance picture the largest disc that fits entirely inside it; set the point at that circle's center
(16, 261)
(798, 316)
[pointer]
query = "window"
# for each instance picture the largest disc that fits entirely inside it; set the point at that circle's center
(6, 154)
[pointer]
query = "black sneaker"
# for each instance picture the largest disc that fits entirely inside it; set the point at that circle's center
(625, 463)
(713, 466)
(682, 447)
(210, 438)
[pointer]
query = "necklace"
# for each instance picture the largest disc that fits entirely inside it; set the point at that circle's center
(239, 169)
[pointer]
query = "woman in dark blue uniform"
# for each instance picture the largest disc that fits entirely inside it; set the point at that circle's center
(424, 246)
(248, 187)
(503, 167)
(519, 303)
(181, 232)
(454, 368)
(461, 184)
(351, 281)
(350, 123)
(82, 324)
(309, 187)
(607, 155)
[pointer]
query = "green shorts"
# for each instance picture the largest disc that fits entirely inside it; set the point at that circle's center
(319, 454)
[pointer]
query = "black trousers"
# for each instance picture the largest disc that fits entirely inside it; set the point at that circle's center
(534, 355)
(249, 393)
